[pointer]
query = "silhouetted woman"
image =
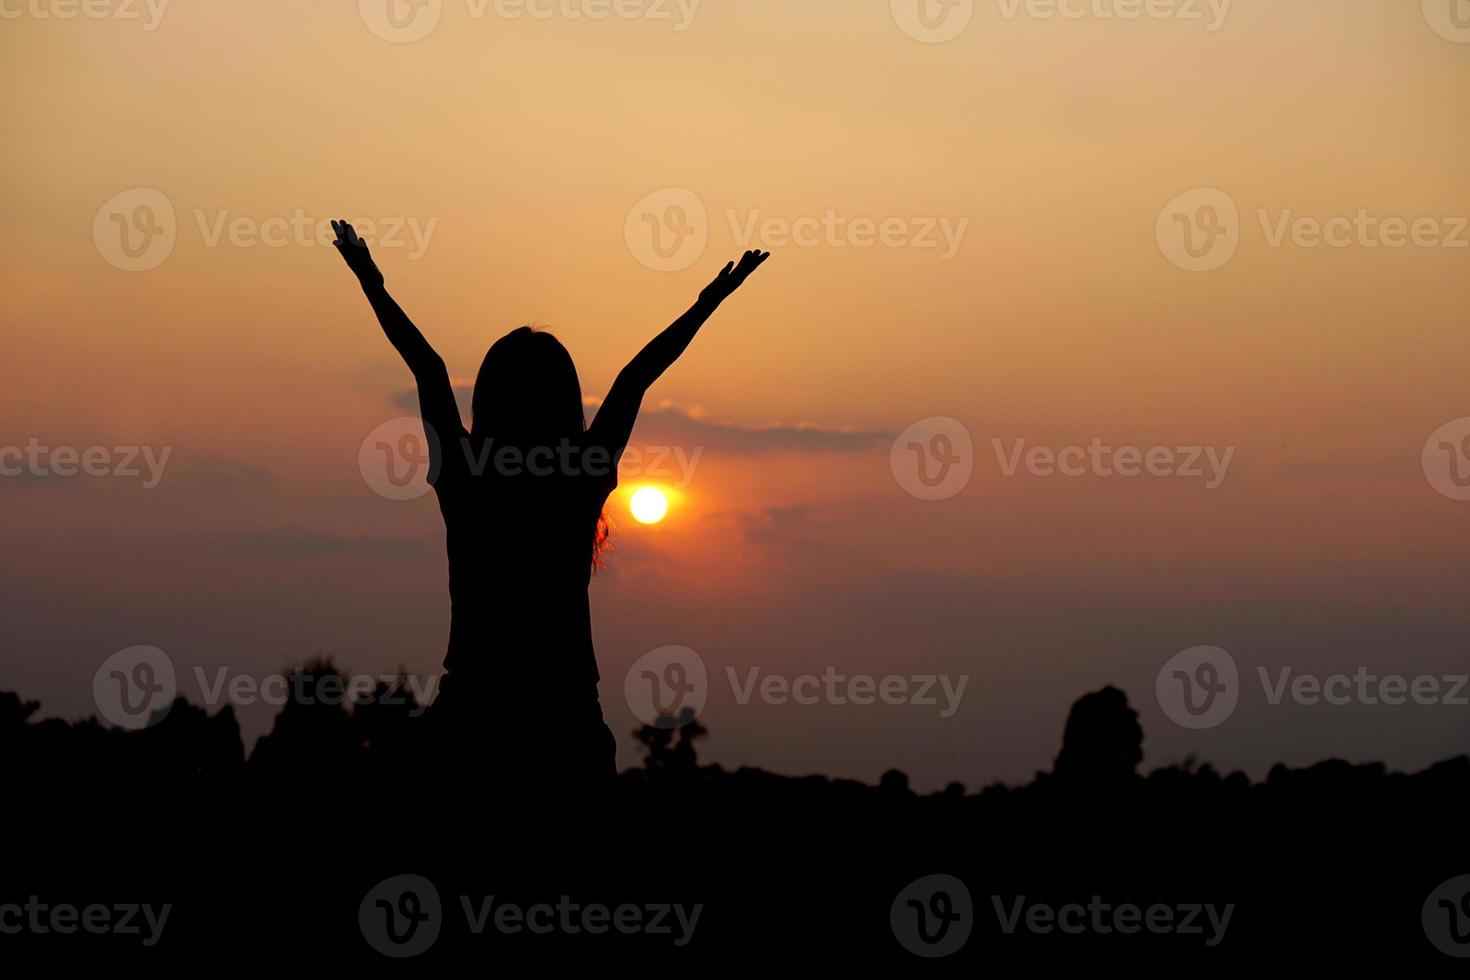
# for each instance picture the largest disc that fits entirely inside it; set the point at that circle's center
(522, 495)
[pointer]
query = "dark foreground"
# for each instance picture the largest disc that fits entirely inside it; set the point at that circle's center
(331, 847)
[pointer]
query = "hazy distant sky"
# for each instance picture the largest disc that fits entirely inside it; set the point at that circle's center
(518, 147)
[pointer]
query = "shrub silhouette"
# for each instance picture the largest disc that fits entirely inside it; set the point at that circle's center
(1102, 744)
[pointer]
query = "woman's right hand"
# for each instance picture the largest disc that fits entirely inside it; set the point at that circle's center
(733, 277)
(354, 252)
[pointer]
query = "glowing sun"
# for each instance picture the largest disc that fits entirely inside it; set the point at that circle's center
(649, 505)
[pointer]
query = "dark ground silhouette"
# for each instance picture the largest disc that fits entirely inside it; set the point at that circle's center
(279, 857)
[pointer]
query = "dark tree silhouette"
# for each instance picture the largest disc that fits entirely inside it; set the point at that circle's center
(669, 747)
(1102, 744)
(314, 732)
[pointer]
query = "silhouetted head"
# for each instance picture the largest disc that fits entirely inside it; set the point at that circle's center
(527, 396)
(527, 393)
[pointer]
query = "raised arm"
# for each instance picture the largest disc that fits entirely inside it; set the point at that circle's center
(436, 396)
(613, 425)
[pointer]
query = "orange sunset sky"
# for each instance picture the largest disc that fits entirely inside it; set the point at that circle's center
(521, 147)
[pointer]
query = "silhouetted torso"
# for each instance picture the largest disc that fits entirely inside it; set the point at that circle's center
(520, 562)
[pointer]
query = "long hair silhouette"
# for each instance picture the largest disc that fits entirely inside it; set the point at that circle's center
(527, 394)
(522, 493)
(527, 391)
